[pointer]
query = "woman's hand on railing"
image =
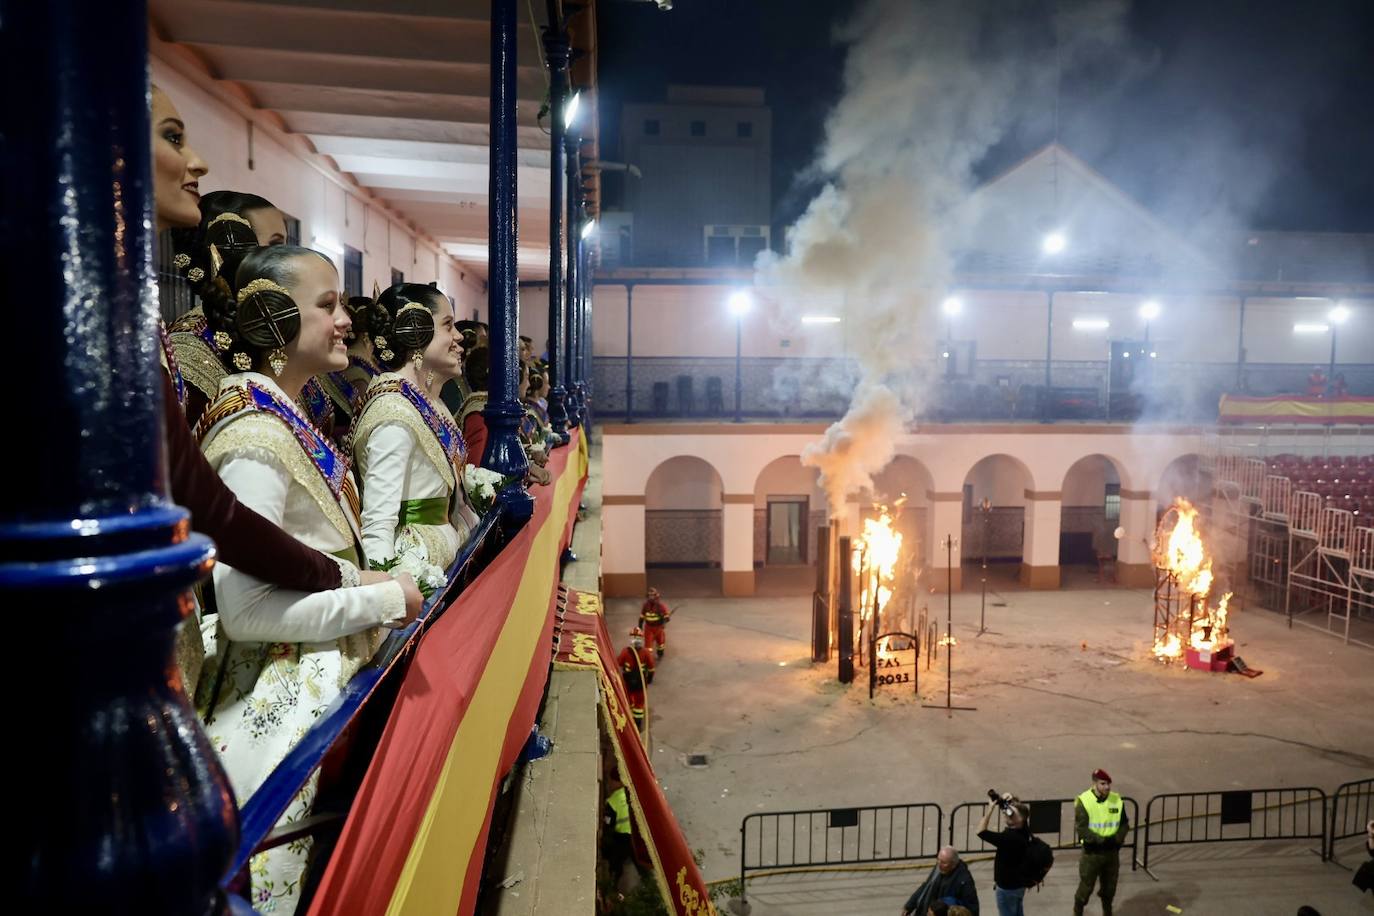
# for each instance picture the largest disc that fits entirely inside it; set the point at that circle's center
(415, 600)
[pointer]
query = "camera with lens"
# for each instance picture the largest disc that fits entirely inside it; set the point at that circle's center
(1004, 806)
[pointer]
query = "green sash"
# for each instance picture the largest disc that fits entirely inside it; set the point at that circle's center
(431, 511)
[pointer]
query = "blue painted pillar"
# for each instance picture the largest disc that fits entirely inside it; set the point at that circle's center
(503, 411)
(557, 53)
(122, 806)
(574, 175)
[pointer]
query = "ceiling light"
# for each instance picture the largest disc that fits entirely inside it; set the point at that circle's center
(1090, 324)
(820, 319)
(1303, 327)
(570, 109)
(1338, 314)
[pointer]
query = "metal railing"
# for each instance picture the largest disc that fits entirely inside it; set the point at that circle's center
(1051, 819)
(260, 813)
(814, 839)
(1352, 807)
(1234, 816)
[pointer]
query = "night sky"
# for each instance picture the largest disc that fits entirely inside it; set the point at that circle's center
(1266, 106)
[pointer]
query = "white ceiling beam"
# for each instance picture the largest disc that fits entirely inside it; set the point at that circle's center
(364, 103)
(336, 146)
(530, 188)
(423, 130)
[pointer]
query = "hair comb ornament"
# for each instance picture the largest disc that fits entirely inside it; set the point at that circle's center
(227, 217)
(268, 318)
(413, 327)
(181, 261)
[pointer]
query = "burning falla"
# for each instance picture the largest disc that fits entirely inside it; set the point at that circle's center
(1182, 557)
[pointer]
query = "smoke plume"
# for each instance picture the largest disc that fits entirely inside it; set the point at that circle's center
(928, 88)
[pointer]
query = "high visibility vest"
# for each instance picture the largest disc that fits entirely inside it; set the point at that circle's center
(1104, 816)
(620, 804)
(652, 613)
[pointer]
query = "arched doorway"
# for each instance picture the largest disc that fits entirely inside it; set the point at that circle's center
(788, 506)
(1182, 477)
(906, 477)
(994, 528)
(1090, 511)
(683, 533)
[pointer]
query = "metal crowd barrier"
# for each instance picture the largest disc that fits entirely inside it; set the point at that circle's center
(794, 840)
(265, 807)
(1352, 806)
(1234, 816)
(1051, 819)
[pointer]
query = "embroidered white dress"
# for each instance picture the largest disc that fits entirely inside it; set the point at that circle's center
(408, 464)
(281, 656)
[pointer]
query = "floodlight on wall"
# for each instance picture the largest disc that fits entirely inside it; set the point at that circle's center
(1091, 324)
(739, 303)
(952, 305)
(820, 319)
(1338, 315)
(1303, 327)
(1053, 243)
(588, 228)
(570, 109)
(1149, 310)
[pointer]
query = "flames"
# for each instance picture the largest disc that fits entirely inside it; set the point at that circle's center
(1180, 553)
(875, 566)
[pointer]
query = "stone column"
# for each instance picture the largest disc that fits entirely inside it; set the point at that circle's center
(1133, 565)
(622, 546)
(944, 518)
(737, 553)
(1040, 547)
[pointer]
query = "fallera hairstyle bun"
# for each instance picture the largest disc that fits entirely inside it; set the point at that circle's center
(362, 311)
(261, 315)
(403, 322)
(223, 225)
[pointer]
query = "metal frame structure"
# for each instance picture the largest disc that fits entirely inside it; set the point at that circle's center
(1312, 561)
(1238, 815)
(1046, 811)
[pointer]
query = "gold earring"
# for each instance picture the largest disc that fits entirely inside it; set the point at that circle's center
(418, 358)
(277, 360)
(182, 261)
(242, 362)
(429, 379)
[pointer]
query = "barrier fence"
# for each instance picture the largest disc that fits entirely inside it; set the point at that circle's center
(838, 836)
(1235, 816)
(1050, 819)
(1352, 807)
(814, 839)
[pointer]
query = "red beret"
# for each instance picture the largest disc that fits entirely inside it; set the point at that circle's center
(1102, 775)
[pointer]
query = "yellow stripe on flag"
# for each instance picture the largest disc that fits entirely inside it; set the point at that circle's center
(431, 881)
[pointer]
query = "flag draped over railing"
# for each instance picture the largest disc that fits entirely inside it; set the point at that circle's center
(416, 834)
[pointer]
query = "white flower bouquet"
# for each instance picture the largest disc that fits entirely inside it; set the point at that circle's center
(411, 557)
(481, 486)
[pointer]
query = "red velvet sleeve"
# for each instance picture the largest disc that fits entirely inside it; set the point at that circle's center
(246, 540)
(475, 435)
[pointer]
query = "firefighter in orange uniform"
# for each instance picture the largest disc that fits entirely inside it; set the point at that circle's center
(637, 670)
(653, 617)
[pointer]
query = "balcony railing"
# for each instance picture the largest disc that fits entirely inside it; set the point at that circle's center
(805, 388)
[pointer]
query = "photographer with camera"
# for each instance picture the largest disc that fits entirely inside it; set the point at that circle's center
(1009, 865)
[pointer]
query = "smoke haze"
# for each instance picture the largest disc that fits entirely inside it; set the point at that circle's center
(928, 89)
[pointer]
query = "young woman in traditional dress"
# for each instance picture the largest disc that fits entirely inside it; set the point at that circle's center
(244, 539)
(283, 656)
(347, 386)
(410, 452)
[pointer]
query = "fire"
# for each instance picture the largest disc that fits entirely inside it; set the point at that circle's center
(1183, 557)
(875, 565)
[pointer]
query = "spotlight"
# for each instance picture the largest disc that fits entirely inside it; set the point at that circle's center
(1090, 324)
(1303, 327)
(740, 302)
(570, 109)
(1054, 243)
(1149, 310)
(952, 305)
(588, 228)
(1338, 315)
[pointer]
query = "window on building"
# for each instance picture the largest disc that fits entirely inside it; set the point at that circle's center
(293, 229)
(651, 127)
(698, 128)
(353, 271)
(1112, 505)
(744, 129)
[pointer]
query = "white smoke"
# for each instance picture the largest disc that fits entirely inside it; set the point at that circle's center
(929, 88)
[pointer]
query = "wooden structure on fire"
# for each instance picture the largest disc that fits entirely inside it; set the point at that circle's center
(1307, 524)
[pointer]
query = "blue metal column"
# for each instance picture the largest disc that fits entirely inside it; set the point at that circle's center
(629, 352)
(557, 53)
(503, 411)
(122, 806)
(584, 333)
(574, 406)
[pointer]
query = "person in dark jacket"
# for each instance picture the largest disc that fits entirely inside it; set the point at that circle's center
(1009, 864)
(949, 882)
